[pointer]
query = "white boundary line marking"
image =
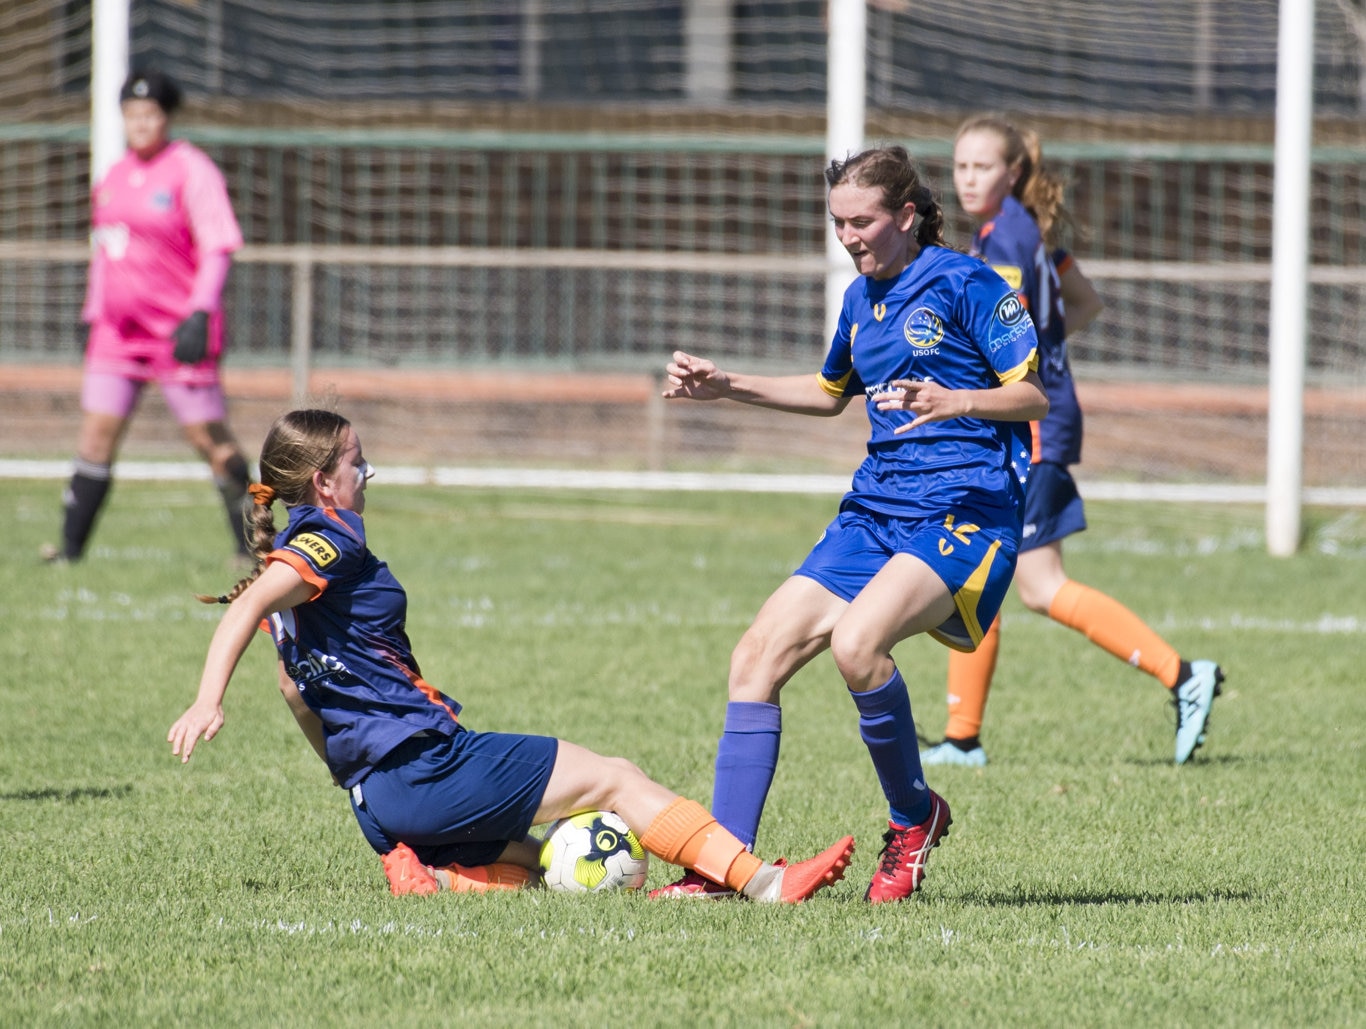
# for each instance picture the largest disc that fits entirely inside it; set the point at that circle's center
(557, 478)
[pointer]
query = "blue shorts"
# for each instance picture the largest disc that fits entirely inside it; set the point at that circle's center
(973, 553)
(1053, 508)
(455, 799)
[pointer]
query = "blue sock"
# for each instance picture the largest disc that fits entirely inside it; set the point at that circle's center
(746, 758)
(886, 725)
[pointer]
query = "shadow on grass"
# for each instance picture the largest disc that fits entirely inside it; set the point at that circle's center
(72, 795)
(1193, 763)
(1005, 900)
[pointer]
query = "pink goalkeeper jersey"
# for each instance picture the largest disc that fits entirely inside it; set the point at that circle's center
(151, 221)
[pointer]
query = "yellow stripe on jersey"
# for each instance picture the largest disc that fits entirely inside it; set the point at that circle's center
(1020, 370)
(836, 388)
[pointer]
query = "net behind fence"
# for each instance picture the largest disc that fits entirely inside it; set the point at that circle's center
(582, 188)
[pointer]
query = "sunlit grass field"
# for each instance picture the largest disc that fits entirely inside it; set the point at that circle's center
(1086, 881)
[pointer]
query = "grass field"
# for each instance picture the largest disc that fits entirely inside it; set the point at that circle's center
(1086, 881)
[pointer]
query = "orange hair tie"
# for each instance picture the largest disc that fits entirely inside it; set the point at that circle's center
(261, 494)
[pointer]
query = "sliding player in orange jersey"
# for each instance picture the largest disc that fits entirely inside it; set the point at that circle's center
(999, 176)
(444, 806)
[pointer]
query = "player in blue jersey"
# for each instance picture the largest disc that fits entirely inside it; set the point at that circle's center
(942, 355)
(444, 806)
(1002, 183)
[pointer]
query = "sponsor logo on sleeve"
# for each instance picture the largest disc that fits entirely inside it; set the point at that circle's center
(1010, 310)
(1014, 335)
(1011, 273)
(1010, 315)
(314, 547)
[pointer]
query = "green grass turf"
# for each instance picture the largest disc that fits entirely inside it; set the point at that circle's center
(1086, 880)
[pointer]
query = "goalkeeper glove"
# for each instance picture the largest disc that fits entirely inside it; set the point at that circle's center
(192, 338)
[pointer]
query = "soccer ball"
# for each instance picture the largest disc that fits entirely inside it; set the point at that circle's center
(592, 852)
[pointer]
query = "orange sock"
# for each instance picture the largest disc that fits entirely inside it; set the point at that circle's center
(1113, 627)
(685, 833)
(970, 682)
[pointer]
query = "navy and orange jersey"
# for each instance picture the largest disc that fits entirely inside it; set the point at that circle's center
(1011, 244)
(949, 319)
(347, 650)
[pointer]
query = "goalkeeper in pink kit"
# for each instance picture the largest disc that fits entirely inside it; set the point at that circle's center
(163, 234)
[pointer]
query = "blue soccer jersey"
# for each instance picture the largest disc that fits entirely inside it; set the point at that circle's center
(347, 650)
(1011, 244)
(949, 319)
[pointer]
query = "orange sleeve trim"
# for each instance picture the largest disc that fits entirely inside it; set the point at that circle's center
(301, 566)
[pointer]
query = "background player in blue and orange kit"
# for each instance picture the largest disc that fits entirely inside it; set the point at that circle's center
(163, 234)
(943, 355)
(443, 805)
(1000, 180)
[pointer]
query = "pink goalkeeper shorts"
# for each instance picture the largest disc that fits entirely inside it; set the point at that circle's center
(117, 369)
(103, 393)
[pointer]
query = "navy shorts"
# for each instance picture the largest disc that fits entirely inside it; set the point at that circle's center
(1053, 507)
(455, 799)
(973, 553)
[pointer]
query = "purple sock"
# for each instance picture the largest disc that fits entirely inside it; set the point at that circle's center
(746, 758)
(888, 730)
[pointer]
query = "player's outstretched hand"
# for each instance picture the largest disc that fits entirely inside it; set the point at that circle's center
(198, 720)
(192, 338)
(695, 378)
(926, 401)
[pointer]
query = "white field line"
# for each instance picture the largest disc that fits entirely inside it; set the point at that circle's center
(85, 605)
(555, 478)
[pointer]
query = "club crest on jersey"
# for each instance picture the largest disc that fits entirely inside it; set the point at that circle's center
(924, 329)
(316, 548)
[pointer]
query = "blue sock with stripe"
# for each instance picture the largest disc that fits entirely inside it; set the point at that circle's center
(888, 730)
(746, 759)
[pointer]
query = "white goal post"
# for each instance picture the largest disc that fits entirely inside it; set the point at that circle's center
(1290, 279)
